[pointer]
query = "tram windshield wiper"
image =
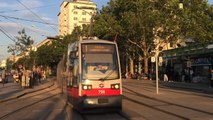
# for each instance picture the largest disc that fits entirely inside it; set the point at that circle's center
(107, 76)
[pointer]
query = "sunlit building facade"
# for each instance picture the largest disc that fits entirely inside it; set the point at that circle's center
(75, 13)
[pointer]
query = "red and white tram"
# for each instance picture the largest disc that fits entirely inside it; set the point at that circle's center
(94, 75)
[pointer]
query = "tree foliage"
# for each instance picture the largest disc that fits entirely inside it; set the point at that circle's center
(144, 24)
(22, 46)
(24, 42)
(197, 22)
(50, 55)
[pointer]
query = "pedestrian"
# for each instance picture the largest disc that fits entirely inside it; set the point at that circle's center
(39, 76)
(20, 77)
(165, 77)
(191, 75)
(3, 76)
(211, 79)
(183, 76)
(31, 80)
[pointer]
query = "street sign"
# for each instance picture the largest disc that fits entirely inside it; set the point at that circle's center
(161, 59)
(152, 59)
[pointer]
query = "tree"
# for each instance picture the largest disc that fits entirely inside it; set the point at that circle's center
(50, 55)
(197, 20)
(22, 46)
(147, 24)
(24, 43)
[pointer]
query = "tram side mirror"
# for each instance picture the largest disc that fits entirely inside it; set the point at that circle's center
(72, 55)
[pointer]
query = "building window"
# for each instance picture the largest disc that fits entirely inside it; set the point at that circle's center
(75, 12)
(75, 24)
(84, 13)
(75, 6)
(75, 18)
(84, 19)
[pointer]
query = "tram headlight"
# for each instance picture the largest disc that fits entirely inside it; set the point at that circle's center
(115, 86)
(87, 87)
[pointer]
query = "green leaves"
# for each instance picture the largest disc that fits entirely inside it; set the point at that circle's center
(141, 22)
(24, 43)
(22, 47)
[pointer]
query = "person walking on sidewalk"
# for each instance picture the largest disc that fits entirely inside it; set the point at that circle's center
(3, 76)
(20, 77)
(211, 79)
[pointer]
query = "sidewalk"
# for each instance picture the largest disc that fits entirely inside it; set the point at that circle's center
(193, 86)
(23, 91)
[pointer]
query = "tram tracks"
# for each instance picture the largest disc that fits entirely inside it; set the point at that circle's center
(147, 87)
(112, 115)
(26, 106)
(16, 105)
(25, 93)
(106, 116)
(160, 105)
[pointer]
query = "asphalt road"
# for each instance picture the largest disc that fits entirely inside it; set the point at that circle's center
(140, 102)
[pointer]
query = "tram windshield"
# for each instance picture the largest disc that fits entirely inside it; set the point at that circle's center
(99, 62)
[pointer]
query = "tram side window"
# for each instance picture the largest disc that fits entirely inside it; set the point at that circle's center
(69, 80)
(75, 73)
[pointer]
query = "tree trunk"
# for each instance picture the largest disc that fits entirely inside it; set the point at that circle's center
(140, 65)
(146, 62)
(131, 65)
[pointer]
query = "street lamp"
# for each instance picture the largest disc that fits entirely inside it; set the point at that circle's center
(34, 49)
(156, 65)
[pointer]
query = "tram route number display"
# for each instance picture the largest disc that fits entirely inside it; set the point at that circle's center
(98, 48)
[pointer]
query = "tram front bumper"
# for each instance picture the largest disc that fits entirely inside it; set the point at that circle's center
(99, 102)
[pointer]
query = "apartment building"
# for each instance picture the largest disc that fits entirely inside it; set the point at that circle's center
(75, 13)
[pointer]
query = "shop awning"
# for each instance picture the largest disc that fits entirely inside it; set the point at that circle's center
(191, 50)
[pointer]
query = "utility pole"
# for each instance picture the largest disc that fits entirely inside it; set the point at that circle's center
(156, 67)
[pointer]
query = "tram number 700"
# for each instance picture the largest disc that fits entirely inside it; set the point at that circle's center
(101, 91)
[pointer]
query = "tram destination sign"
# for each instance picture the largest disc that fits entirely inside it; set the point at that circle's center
(101, 48)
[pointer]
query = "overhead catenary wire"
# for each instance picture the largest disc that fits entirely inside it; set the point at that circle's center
(22, 19)
(36, 15)
(22, 26)
(3, 45)
(17, 10)
(7, 34)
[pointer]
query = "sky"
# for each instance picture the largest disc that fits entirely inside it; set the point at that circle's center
(31, 15)
(18, 14)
